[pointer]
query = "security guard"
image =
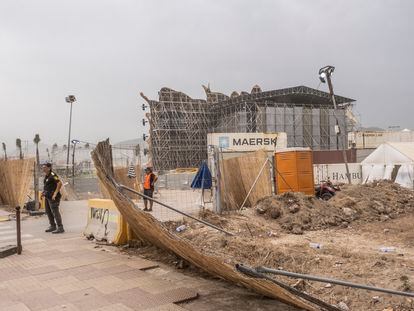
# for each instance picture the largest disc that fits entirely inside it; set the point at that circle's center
(51, 193)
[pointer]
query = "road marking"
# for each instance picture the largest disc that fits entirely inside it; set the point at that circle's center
(7, 232)
(6, 238)
(5, 227)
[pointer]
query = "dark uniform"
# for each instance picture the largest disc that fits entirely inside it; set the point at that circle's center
(52, 206)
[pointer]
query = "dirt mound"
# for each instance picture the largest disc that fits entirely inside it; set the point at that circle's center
(296, 212)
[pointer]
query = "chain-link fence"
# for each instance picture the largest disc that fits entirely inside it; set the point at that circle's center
(174, 189)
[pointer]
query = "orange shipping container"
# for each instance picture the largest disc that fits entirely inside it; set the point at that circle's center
(294, 171)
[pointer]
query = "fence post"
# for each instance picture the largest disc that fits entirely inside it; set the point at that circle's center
(218, 208)
(18, 231)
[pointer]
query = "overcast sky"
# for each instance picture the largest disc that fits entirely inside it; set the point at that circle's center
(106, 52)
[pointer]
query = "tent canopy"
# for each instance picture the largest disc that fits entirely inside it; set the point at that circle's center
(391, 153)
(202, 179)
(394, 161)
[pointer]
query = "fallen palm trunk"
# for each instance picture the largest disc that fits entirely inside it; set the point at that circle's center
(152, 231)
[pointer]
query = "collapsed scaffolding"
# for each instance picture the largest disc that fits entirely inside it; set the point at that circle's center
(179, 124)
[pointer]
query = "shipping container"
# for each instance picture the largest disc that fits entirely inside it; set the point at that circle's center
(372, 139)
(294, 171)
(337, 173)
(334, 156)
(247, 142)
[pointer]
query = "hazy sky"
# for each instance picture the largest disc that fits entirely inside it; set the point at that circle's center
(106, 52)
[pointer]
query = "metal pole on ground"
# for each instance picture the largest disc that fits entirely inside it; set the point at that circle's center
(331, 281)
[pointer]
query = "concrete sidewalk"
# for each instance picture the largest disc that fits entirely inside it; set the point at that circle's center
(68, 272)
(75, 274)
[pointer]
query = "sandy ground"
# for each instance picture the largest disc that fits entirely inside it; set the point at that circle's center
(353, 254)
(350, 254)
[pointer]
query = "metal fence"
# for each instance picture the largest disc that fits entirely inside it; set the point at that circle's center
(174, 189)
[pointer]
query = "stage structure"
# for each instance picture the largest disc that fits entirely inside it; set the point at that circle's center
(179, 124)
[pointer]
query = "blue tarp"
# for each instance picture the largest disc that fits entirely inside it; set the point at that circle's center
(202, 179)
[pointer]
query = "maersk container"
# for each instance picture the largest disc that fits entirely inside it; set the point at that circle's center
(247, 142)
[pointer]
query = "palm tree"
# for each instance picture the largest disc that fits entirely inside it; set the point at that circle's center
(4, 150)
(54, 150)
(19, 146)
(36, 140)
(87, 146)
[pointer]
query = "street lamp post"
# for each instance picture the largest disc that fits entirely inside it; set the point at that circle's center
(69, 99)
(325, 76)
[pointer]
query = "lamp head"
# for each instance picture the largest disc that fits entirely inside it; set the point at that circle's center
(70, 99)
(324, 72)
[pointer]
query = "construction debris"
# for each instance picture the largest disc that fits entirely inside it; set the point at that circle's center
(152, 231)
(379, 201)
(348, 253)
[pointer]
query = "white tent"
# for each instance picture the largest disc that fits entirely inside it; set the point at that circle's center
(394, 161)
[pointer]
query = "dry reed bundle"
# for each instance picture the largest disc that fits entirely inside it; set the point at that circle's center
(239, 175)
(121, 176)
(15, 178)
(152, 231)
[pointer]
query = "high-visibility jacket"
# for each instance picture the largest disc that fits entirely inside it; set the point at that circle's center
(149, 181)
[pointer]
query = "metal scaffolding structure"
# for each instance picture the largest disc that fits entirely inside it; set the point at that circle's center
(178, 130)
(179, 124)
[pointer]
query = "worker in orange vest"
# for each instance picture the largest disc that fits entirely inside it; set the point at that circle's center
(149, 181)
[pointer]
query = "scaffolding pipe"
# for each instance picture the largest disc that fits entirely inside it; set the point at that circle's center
(332, 281)
(253, 273)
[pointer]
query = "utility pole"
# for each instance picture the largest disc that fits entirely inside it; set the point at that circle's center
(36, 140)
(325, 75)
(69, 99)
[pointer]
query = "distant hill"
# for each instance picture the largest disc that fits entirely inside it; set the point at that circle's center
(371, 129)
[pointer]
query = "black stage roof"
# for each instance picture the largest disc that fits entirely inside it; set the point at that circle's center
(295, 95)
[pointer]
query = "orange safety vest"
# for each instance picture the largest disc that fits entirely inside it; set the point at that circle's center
(147, 181)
